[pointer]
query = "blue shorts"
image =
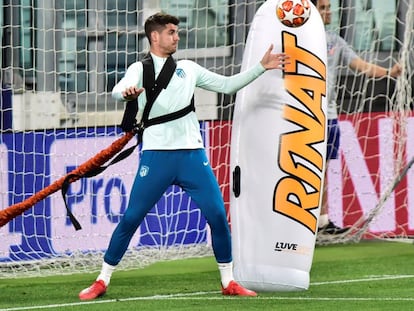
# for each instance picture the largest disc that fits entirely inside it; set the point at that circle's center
(333, 139)
(157, 170)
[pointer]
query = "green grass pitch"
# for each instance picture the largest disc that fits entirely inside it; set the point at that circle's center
(364, 276)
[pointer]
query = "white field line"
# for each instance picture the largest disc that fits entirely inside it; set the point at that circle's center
(194, 296)
(368, 279)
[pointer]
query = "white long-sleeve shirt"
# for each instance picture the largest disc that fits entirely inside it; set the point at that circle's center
(182, 133)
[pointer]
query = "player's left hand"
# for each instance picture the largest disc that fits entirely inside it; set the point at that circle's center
(274, 61)
(396, 71)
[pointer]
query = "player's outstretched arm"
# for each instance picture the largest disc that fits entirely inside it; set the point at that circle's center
(274, 60)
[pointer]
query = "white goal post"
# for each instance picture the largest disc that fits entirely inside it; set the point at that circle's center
(60, 60)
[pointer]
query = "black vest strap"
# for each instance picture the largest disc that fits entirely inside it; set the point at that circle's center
(129, 118)
(171, 116)
(154, 87)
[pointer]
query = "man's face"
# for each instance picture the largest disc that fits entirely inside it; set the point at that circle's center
(324, 8)
(167, 39)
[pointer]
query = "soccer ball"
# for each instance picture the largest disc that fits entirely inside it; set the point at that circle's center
(293, 13)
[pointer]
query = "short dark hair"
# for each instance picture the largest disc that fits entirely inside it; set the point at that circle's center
(314, 2)
(157, 23)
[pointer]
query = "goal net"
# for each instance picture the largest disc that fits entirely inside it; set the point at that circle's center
(61, 60)
(369, 185)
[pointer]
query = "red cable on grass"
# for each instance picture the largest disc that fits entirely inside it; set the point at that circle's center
(92, 164)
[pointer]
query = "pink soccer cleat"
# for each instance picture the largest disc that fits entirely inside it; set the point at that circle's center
(235, 289)
(97, 289)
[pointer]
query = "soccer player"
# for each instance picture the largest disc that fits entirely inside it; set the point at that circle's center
(173, 152)
(340, 52)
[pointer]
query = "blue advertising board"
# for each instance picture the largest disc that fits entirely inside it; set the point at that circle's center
(31, 161)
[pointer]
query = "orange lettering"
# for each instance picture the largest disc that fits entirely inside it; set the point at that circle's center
(299, 192)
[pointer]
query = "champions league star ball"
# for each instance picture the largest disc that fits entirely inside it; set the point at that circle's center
(293, 13)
